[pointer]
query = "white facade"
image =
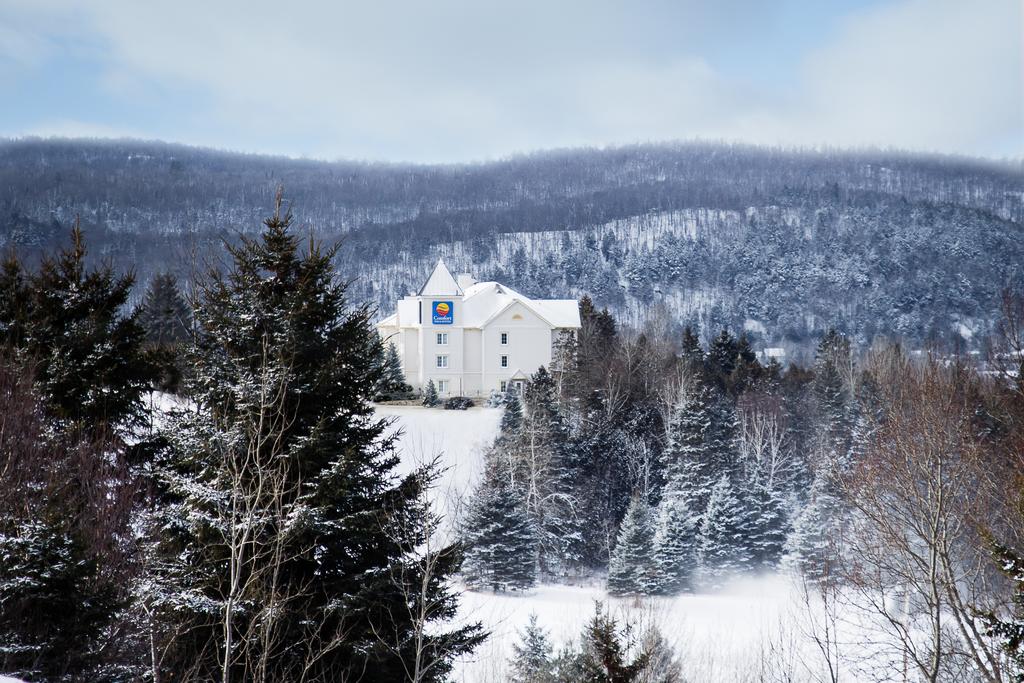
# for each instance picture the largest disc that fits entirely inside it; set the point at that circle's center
(471, 337)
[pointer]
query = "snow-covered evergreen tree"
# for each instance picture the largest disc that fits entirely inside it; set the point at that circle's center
(687, 465)
(1008, 629)
(283, 543)
(633, 569)
(72, 375)
(811, 547)
(498, 534)
(532, 660)
(763, 526)
(721, 547)
(675, 543)
(86, 355)
(608, 653)
(430, 397)
(512, 417)
(833, 404)
(543, 469)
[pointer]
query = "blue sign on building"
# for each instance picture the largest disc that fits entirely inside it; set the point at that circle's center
(442, 312)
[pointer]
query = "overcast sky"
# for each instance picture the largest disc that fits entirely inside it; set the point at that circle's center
(459, 80)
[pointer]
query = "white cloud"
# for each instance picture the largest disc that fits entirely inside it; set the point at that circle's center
(460, 79)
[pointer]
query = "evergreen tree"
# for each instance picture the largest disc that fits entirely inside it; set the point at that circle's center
(86, 355)
(283, 545)
(604, 655)
(691, 352)
(501, 545)
(1009, 630)
(63, 528)
(598, 453)
(59, 557)
(532, 661)
(723, 354)
(392, 376)
(763, 526)
(832, 402)
(541, 458)
(512, 417)
(675, 543)
(702, 445)
(632, 570)
(810, 548)
(430, 397)
(164, 314)
(720, 545)
(686, 465)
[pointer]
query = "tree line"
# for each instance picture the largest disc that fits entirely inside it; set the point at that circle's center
(884, 481)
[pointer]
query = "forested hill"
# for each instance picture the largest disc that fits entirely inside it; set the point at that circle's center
(785, 243)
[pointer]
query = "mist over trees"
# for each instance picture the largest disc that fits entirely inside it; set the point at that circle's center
(790, 243)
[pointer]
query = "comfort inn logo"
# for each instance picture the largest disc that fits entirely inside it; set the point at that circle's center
(442, 312)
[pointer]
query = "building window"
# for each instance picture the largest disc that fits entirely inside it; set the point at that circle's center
(442, 386)
(442, 339)
(504, 338)
(504, 386)
(442, 361)
(504, 361)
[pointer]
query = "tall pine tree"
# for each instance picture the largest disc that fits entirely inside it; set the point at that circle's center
(632, 570)
(283, 545)
(500, 540)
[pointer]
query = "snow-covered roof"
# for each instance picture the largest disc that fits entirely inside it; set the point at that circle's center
(484, 301)
(440, 282)
(481, 303)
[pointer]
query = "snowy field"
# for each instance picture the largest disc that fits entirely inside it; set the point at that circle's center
(458, 437)
(752, 631)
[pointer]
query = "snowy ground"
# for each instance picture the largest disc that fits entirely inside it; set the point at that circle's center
(459, 437)
(737, 635)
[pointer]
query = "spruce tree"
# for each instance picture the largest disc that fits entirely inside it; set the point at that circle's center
(512, 417)
(632, 570)
(542, 460)
(63, 527)
(763, 527)
(675, 543)
(430, 397)
(284, 546)
(500, 541)
(59, 572)
(86, 355)
(720, 546)
(687, 463)
(691, 352)
(832, 403)
(810, 548)
(722, 357)
(164, 313)
(392, 376)
(532, 660)
(1008, 629)
(606, 653)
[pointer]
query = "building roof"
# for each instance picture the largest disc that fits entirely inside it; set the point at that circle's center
(440, 282)
(486, 300)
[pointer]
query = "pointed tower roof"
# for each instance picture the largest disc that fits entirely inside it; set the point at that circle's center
(440, 282)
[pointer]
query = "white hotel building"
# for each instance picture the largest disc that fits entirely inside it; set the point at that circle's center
(472, 337)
